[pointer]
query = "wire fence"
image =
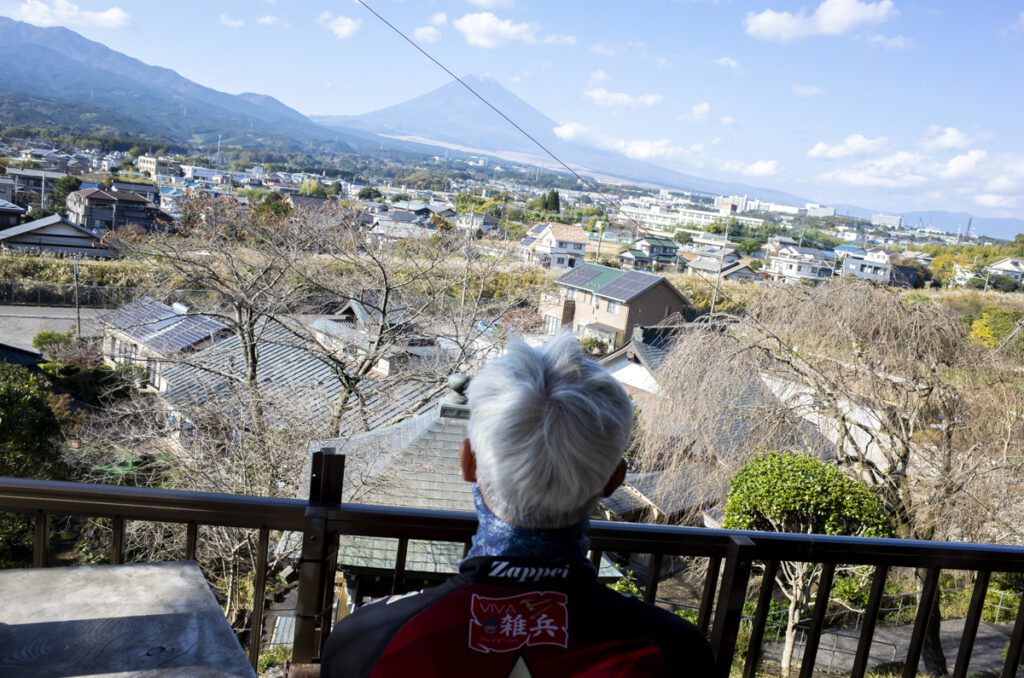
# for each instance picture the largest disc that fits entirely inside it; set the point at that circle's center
(89, 296)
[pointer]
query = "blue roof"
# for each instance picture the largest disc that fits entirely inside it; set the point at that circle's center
(849, 248)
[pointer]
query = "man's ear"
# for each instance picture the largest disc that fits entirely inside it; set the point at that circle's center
(618, 475)
(467, 462)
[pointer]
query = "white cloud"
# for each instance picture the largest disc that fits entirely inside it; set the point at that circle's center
(697, 112)
(727, 121)
(520, 77)
(806, 90)
(832, 17)
(483, 29)
(662, 63)
(760, 168)
(603, 97)
(638, 149)
(853, 145)
(944, 139)
(1017, 26)
(993, 200)
(899, 170)
(341, 26)
(229, 22)
(602, 49)
(426, 33)
(560, 40)
(439, 19)
(597, 77)
(965, 165)
(64, 13)
(272, 21)
(892, 42)
(729, 62)
(493, 4)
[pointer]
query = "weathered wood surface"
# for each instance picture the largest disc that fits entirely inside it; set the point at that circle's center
(152, 619)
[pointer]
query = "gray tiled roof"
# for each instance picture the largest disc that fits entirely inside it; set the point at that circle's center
(294, 378)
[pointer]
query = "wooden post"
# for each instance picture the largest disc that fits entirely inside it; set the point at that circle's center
(319, 559)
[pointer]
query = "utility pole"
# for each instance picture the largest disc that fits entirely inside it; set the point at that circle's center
(718, 278)
(78, 308)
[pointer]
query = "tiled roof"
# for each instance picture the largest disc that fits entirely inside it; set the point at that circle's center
(51, 220)
(9, 207)
(567, 232)
(293, 379)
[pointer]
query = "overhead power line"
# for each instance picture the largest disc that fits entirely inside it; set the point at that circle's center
(497, 110)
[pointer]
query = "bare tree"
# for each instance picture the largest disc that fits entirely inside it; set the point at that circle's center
(237, 417)
(893, 390)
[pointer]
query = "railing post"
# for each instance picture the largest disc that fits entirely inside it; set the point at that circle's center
(319, 558)
(731, 597)
(39, 555)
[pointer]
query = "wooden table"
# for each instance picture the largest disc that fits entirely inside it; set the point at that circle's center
(152, 619)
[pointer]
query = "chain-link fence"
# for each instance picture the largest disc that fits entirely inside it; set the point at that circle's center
(89, 296)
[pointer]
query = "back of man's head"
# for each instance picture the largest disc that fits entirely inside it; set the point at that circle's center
(548, 428)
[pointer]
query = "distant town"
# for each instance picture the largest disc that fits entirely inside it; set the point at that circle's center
(47, 191)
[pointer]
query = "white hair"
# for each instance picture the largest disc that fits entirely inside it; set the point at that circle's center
(548, 427)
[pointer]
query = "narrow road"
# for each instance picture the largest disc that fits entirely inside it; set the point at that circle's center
(18, 324)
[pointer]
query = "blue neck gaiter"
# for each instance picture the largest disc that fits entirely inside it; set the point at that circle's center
(495, 537)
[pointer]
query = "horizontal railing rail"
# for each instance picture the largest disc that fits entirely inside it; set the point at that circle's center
(730, 556)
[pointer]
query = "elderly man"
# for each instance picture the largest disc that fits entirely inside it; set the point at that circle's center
(547, 429)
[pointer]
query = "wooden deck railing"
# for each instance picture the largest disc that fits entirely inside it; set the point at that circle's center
(731, 555)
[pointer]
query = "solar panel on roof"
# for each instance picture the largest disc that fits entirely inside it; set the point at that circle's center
(580, 276)
(628, 285)
(526, 241)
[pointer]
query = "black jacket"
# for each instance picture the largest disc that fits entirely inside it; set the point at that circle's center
(515, 617)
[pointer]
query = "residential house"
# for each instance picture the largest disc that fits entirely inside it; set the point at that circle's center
(148, 333)
(878, 268)
(776, 243)
(842, 251)
(102, 210)
(650, 253)
(471, 222)
(161, 166)
(607, 303)
(10, 214)
(38, 181)
(719, 262)
(55, 236)
(6, 189)
(297, 383)
(555, 245)
(1009, 266)
(919, 257)
(148, 191)
(799, 264)
(882, 256)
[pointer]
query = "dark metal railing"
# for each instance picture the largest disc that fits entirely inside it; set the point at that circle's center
(731, 556)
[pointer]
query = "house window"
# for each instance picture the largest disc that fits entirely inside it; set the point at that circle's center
(578, 246)
(613, 307)
(594, 301)
(551, 323)
(570, 293)
(560, 261)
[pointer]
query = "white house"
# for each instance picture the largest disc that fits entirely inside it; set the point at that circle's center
(1011, 267)
(797, 264)
(555, 245)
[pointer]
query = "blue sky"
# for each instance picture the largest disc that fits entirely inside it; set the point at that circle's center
(892, 105)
